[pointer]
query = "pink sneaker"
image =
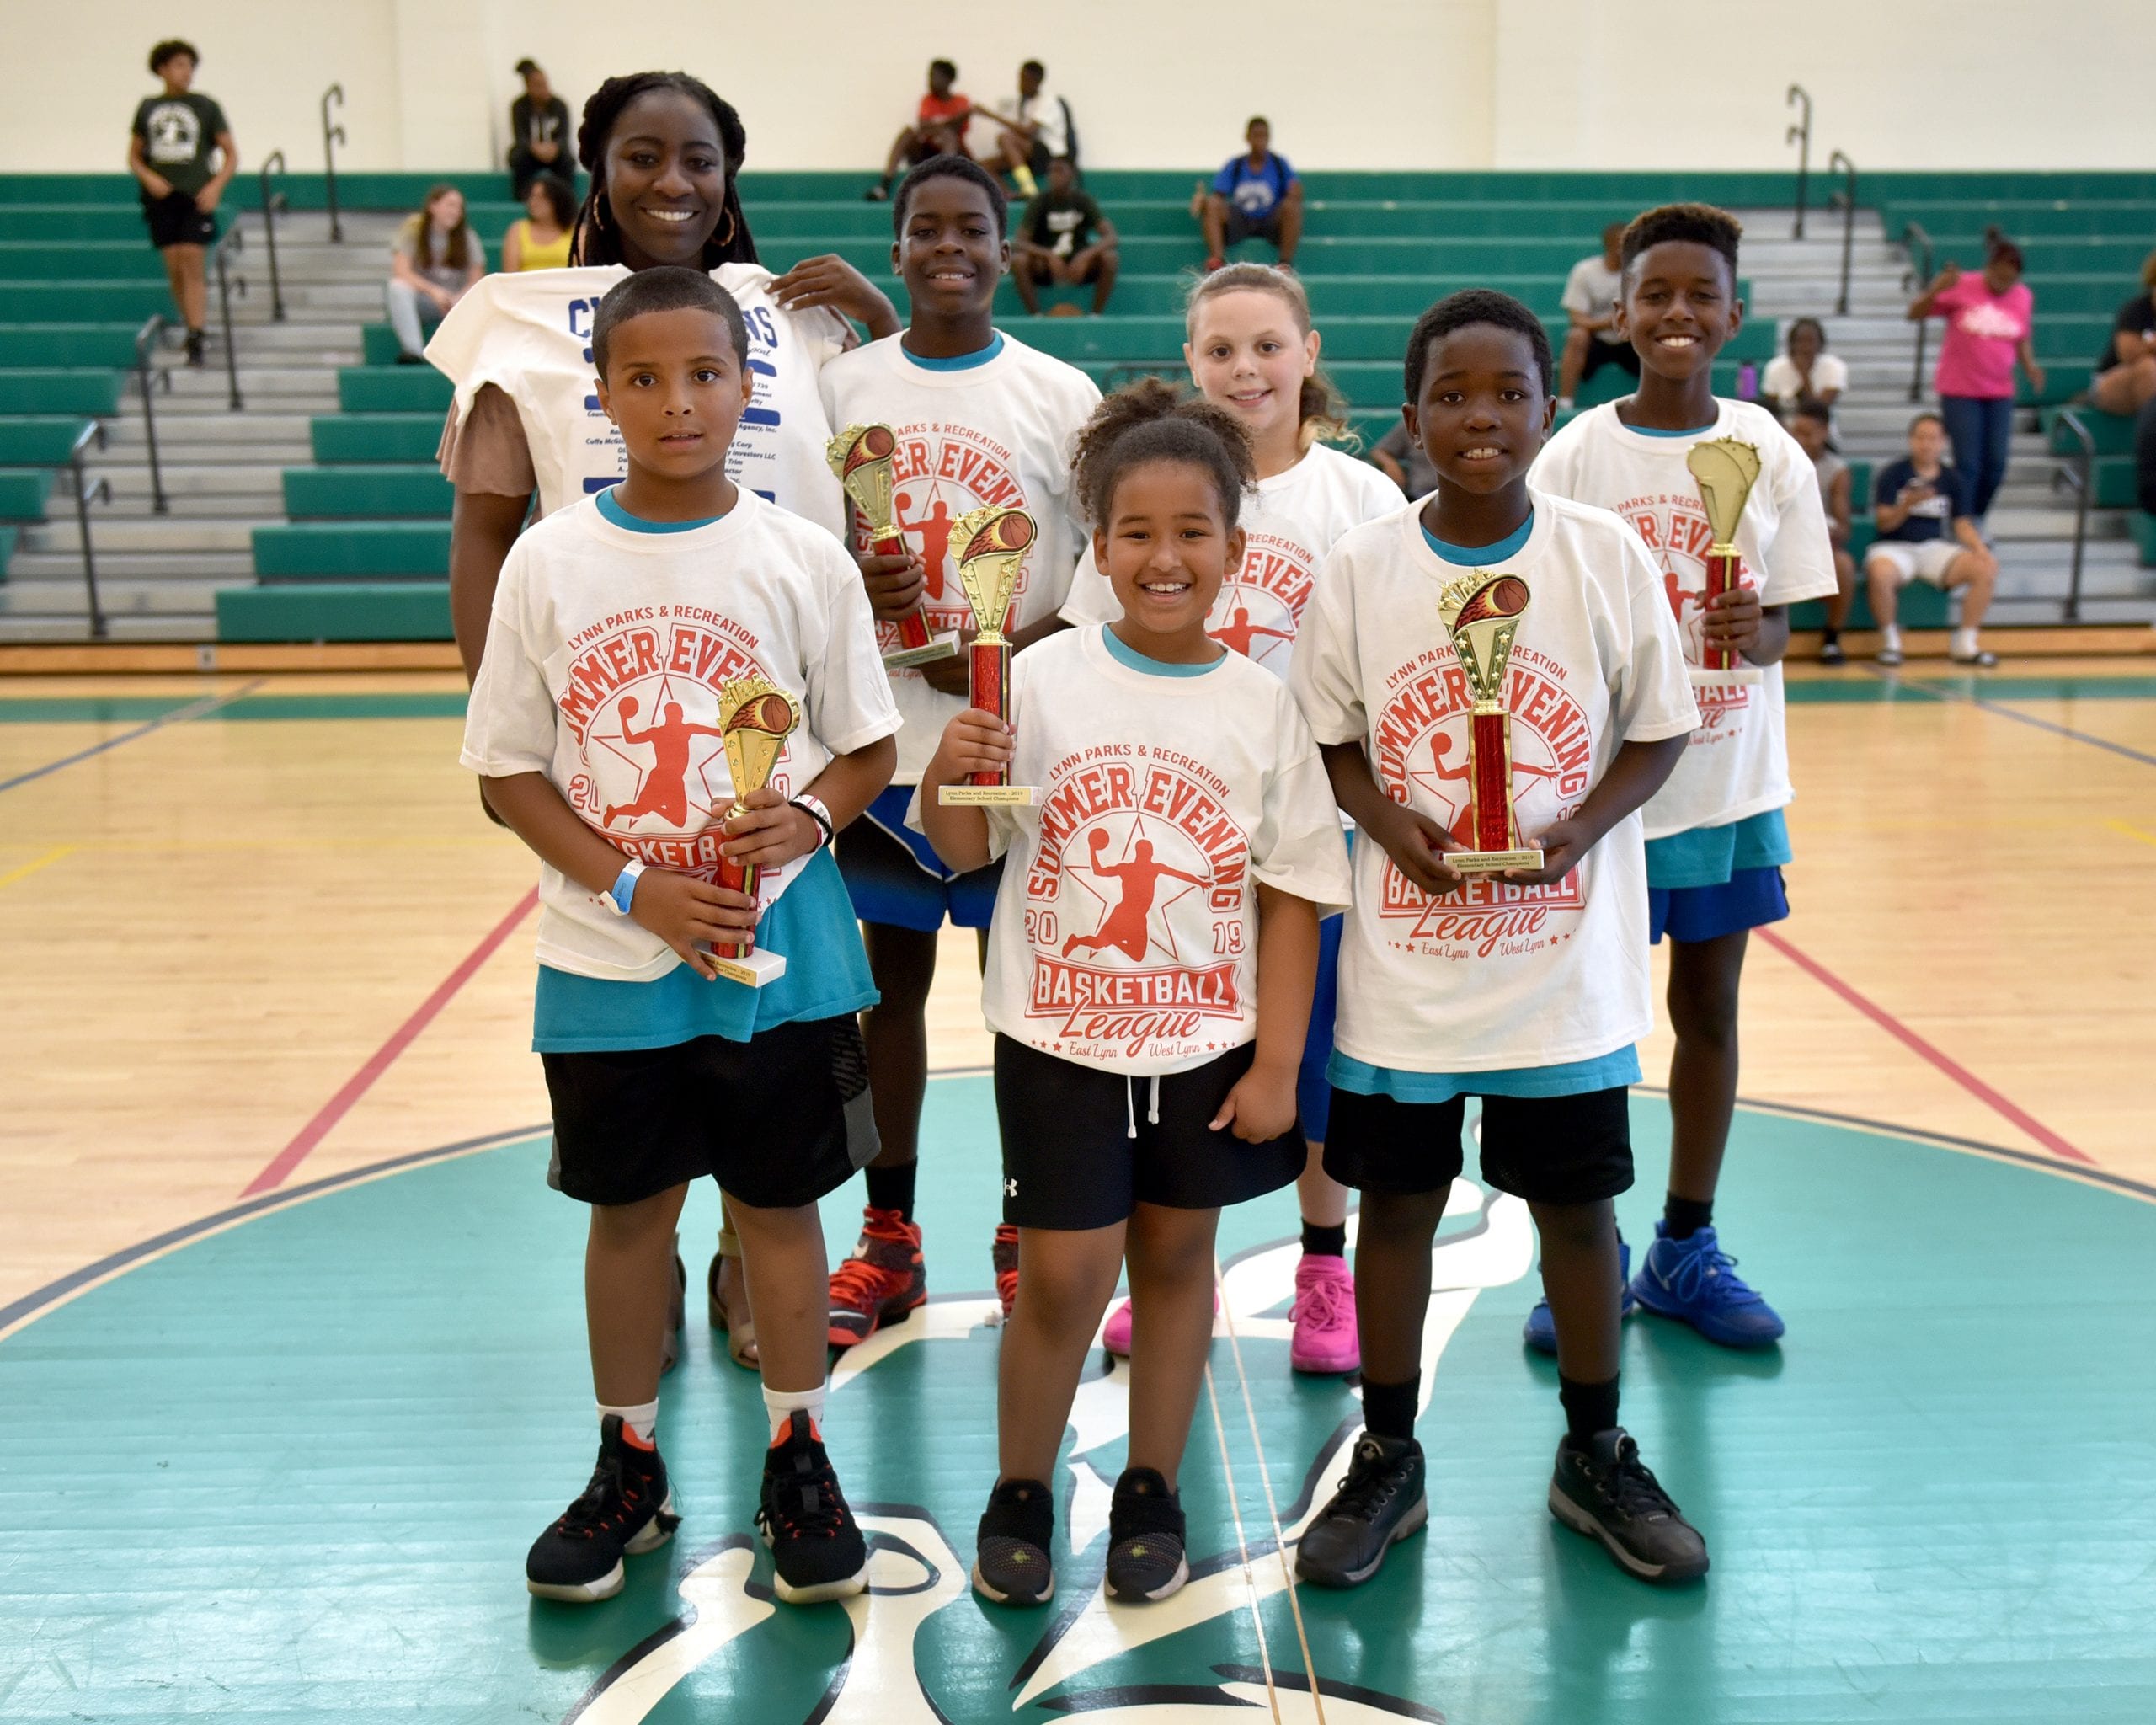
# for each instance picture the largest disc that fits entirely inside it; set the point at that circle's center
(1116, 1337)
(1324, 1315)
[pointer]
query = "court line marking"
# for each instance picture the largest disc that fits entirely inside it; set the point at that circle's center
(1938, 694)
(51, 857)
(1929, 1052)
(179, 715)
(2120, 826)
(1242, 1543)
(280, 1165)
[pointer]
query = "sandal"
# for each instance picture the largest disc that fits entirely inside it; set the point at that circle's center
(733, 1318)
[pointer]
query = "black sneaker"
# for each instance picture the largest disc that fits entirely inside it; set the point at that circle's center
(1145, 1536)
(196, 340)
(1604, 1491)
(1832, 653)
(1011, 1565)
(1379, 1502)
(626, 1510)
(815, 1542)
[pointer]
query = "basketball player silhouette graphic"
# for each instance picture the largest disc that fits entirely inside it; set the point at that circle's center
(1123, 926)
(1238, 634)
(935, 531)
(665, 791)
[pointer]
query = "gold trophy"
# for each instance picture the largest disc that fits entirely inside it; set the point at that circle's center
(1726, 470)
(755, 719)
(991, 545)
(1481, 613)
(862, 456)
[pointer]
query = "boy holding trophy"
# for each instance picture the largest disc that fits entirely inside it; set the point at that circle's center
(1727, 504)
(1497, 685)
(680, 701)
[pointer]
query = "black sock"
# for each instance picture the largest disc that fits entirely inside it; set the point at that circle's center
(892, 1188)
(1828, 635)
(1684, 1217)
(1589, 1408)
(1389, 1409)
(1323, 1241)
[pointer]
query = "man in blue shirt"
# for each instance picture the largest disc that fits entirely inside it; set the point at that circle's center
(1920, 506)
(1256, 195)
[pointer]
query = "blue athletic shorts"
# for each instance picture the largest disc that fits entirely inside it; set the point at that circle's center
(1313, 1089)
(1750, 898)
(1710, 881)
(895, 877)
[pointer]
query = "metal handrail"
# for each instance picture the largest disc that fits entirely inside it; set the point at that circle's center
(1913, 237)
(150, 377)
(232, 242)
(332, 135)
(272, 203)
(2083, 479)
(87, 492)
(1800, 135)
(1847, 196)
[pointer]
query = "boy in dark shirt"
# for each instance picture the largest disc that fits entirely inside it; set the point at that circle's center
(1921, 505)
(173, 138)
(1067, 241)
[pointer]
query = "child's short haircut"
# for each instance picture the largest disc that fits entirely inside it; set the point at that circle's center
(942, 66)
(670, 289)
(1926, 414)
(1693, 224)
(950, 168)
(1149, 421)
(1319, 412)
(1474, 305)
(1810, 409)
(172, 49)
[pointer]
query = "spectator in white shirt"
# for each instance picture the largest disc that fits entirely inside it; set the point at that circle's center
(1590, 302)
(1804, 371)
(1028, 131)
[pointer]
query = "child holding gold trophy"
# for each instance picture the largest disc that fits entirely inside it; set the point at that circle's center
(680, 701)
(1728, 505)
(1497, 685)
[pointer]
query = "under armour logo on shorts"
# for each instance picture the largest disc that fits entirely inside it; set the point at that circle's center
(1010, 1188)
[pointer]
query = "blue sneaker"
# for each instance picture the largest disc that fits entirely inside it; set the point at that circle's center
(1541, 1332)
(1696, 1280)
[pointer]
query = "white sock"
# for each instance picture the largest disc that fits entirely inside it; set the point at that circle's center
(780, 1404)
(639, 1421)
(1964, 644)
(1890, 635)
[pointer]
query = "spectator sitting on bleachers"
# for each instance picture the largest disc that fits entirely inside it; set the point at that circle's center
(1401, 460)
(2125, 376)
(1255, 196)
(2144, 457)
(1990, 316)
(1591, 337)
(1920, 506)
(1065, 240)
(1804, 371)
(1813, 427)
(538, 129)
(1028, 132)
(938, 129)
(168, 152)
(435, 259)
(540, 239)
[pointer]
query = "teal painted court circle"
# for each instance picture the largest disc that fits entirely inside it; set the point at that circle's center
(288, 1471)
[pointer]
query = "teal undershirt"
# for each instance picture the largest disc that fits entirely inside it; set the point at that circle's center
(1620, 1066)
(1476, 557)
(1125, 655)
(1707, 856)
(957, 362)
(1654, 431)
(610, 506)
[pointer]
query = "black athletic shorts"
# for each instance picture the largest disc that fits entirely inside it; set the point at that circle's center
(1242, 227)
(174, 221)
(1037, 269)
(1070, 1160)
(1600, 352)
(778, 1120)
(1545, 1149)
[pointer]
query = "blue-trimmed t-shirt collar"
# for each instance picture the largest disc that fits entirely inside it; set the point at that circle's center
(1125, 655)
(1656, 431)
(610, 507)
(1477, 556)
(957, 362)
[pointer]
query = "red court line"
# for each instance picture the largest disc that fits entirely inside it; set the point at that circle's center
(292, 1154)
(1924, 1051)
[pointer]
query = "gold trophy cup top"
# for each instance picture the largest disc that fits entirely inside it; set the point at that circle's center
(756, 717)
(1481, 611)
(862, 457)
(991, 544)
(1726, 469)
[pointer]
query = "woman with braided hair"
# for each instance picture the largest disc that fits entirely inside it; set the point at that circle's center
(664, 154)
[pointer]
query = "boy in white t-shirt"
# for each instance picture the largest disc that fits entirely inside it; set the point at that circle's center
(1716, 841)
(1149, 971)
(981, 419)
(1528, 989)
(619, 626)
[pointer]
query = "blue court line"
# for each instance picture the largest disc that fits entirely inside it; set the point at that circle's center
(1938, 694)
(208, 703)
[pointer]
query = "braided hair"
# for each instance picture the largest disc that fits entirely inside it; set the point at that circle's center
(1149, 421)
(596, 237)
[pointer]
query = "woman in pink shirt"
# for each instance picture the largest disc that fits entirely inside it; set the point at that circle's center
(1989, 317)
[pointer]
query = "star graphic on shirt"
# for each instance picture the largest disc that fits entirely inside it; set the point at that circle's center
(1158, 932)
(706, 784)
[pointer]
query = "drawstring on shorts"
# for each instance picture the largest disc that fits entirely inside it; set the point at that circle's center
(1130, 1104)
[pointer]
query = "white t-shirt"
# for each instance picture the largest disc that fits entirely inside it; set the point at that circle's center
(605, 660)
(998, 432)
(1042, 109)
(1591, 288)
(1495, 976)
(1125, 930)
(1291, 523)
(1782, 383)
(1738, 763)
(529, 335)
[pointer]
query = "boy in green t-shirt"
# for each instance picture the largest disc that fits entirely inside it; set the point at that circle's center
(175, 136)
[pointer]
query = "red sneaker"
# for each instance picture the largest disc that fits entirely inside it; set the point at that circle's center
(1004, 1255)
(881, 1282)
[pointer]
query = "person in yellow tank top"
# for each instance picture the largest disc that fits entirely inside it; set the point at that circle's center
(540, 240)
